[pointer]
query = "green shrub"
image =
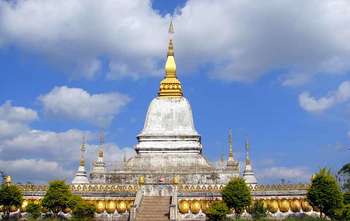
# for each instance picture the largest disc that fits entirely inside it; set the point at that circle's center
(34, 210)
(324, 193)
(236, 195)
(347, 198)
(10, 195)
(257, 210)
(217, 211)
(83, 211)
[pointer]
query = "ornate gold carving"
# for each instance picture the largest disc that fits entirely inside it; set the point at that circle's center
(272, 206)
(295, 205)
(184, 206)
(283, 205)
(100, 206)
(306, 206)
(121, 207)
(195, 206)
(111, 206)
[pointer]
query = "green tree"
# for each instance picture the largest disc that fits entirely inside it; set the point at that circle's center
(34, 210)
(346, 198)
(325, 194)
(217, 211)
(236, 195)
(83, 211)
(257, 210)
(10, 195)
(57, 197)
(344, 177)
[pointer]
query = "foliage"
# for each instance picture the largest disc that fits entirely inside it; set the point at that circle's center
(57, 197)
(236, 195)
(34, 210)
(10, 195)
(346, 198)
(257, 210)
(217, 211)
(303, 218)
(74, 200)
(344, 173)
(324, 193)
(83, 211)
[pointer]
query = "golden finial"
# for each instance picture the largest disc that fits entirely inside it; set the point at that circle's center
(247, 148)
(170, 86)
(230, 156)
(82, 151)
(102, 140)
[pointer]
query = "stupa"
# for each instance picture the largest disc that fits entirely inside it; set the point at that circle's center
(169, 146)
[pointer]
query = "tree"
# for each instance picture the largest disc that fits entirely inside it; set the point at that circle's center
(57, 197)
(10, 195)
(258, 211)
(236, 195)
(344, 177)
(325, 194)
(83, 211)
(217, 211)
(346, 198)
(34, 210)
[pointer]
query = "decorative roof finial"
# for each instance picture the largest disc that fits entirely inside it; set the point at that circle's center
(247, 148)
(230, 156)
(170, 86)
(82, 151)
(102, 140)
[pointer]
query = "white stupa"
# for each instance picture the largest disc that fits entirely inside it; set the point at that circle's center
(248, 173)
(81, 175)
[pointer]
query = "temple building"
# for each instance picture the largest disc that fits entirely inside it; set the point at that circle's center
(169, 146)
(169, 178)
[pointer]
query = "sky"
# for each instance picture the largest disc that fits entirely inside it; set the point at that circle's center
(276, 72)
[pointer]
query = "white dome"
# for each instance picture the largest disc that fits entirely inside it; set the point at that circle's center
(169, 117)
(169, 127)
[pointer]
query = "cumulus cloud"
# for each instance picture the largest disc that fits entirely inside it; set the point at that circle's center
(16, 114)
(276, 174)
(40, 155)
(37, 171)
(240, 40)
(312, 104)
(78, 104)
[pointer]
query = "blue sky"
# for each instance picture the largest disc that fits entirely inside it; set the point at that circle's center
(275, 73)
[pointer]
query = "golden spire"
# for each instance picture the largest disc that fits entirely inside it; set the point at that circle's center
(230, 156)
(102, 140)
(82, 151)
(247, 148)
(170, 86)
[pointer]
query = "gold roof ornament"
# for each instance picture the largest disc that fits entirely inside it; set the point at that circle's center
(102, 140)
(247, 148)
(230, 156)
(170, 86)
(82, 152)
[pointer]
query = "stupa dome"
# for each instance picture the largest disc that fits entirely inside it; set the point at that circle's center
(169, 117)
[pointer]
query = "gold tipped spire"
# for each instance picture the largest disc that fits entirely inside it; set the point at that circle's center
(170, 86)
(102, 140)
(230, 156)
(82, 151)
(247, 148)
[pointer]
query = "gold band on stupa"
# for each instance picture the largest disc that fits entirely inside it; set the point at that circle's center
(170, 86)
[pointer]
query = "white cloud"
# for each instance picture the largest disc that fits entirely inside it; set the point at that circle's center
(16, 114)
(40, 155)
(238, 40)
(78, 104)
(34, 170)
(312, 104)
(275, 174)
(14, 119)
